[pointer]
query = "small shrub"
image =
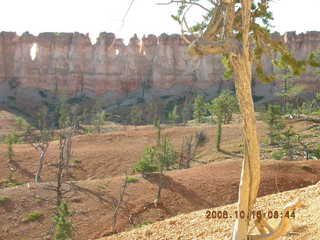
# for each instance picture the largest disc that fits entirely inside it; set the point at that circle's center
(157, 158)
(88, 131)
(12, 184)
(34, 216)
(38, 201)
(307, 168)
(132, 179)
(315, 154)
(99, 121)
(13, 138)
(173, 116)
(142, 224)
(147, 163)
(21, 123)
(265, 141)
(201, 138)
(4, 200)
(136, 115)
(77, 161)
(278, 155)
(11, 181)
(63, 225)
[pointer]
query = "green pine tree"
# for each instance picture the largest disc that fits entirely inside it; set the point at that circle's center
(11, 139)
(199, 109)
(173, 115)
(62, 223)
(222, 107)
(275, 124)
(136, 115)
(289, 143)
(99, 120)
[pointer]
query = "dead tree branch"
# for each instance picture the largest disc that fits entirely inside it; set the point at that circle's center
(117, 203)
(283, 227)
(186, 2)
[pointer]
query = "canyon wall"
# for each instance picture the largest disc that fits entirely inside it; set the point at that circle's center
(69, 64)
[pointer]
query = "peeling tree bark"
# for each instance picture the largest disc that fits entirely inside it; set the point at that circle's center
(250, 175)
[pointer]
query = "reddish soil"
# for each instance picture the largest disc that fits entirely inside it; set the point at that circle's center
(109, 154)
(100, 159)
(187, 190)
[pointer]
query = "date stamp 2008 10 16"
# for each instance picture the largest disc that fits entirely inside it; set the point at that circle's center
(252, 215)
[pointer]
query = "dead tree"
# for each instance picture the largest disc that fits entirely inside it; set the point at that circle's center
(63, 163)
(69, 123)
(189, 148)
(118, 202)
(62, 226)
(39, 138)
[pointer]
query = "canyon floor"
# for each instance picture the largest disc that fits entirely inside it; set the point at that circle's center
(99, 161)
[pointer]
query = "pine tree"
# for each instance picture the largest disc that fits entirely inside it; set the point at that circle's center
(289, 143)
(199, 109)
(222, 107)
(10, 140)
(275, 124)
(100, 118)
(62, 223)
(173, 115)
(289, 90)
(136, 115)
(157, 158)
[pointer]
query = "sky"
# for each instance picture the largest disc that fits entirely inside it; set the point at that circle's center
(145, 16)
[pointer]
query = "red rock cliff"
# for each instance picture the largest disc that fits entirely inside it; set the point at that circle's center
(69, 63)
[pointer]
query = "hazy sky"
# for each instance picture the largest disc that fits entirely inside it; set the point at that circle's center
(144, 17)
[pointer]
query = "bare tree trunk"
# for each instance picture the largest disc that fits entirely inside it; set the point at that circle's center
(59, 181)
(40, 166)
(219, 133)
(118, 203)
(250, 175)
(68, 151)
(158, 198)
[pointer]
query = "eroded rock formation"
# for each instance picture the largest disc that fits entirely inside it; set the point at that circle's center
(68, 63)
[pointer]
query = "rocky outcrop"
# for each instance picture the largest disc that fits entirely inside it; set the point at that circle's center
(69, 64)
